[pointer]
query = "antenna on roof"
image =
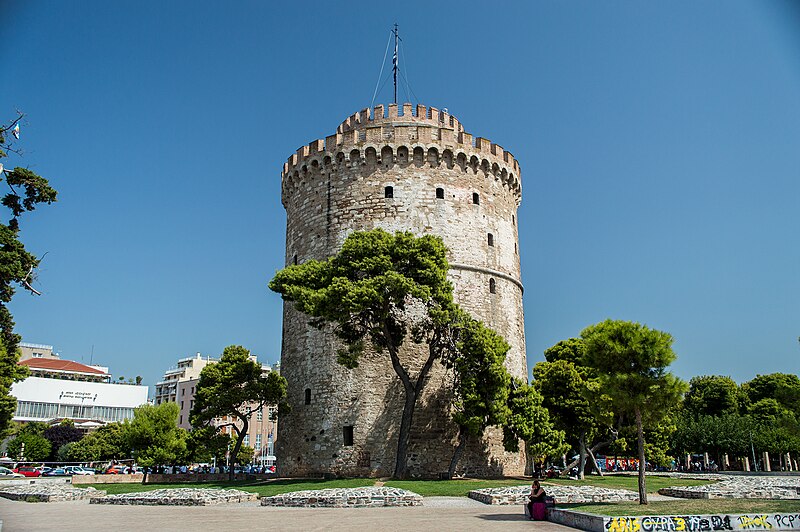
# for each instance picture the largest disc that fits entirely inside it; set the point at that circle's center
(396, 33)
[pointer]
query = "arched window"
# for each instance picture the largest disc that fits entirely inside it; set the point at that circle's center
(439, 193)
(476, 199)
(308, 396)
(492, 286)
(388, 192)
(491, 239)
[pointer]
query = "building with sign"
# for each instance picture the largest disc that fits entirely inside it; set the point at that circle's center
(64, 389)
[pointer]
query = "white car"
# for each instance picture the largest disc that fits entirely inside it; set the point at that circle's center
(7, 473)
(78, 470)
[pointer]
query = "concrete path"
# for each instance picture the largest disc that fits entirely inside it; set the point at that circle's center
(443, 513)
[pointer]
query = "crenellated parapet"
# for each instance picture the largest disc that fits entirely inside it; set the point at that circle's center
(406, 134)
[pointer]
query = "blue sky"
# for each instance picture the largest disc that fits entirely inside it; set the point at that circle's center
(659, 143)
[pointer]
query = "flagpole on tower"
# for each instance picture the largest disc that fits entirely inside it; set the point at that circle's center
(394, 60)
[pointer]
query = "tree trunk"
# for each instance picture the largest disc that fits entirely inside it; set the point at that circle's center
(642, 480)
(405, 431)
(582, 453)
(240, 434)
(459, 450)
(594, 462)
(594, 449)
(413, 391)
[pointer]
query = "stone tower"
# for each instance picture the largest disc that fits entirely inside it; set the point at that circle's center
(415, 169)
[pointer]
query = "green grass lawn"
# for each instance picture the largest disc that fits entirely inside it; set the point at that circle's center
(688, 507)
(654, 483)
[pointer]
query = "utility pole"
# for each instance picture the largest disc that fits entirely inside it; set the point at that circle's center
(394, 60)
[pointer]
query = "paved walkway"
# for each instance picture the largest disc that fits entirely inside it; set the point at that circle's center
(442, 513)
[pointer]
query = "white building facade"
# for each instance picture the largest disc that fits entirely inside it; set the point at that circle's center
(43, 399)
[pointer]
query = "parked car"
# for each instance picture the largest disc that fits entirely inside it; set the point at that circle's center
(117, 470)
(54, 472)
(28, 471)
(78, 470)
(8, 473)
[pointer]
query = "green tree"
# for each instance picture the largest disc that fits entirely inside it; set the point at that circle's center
(382, 289)
(154, 436)
(573, 398)
(106, 443)
(17, 265)
(529, 421)
(481, 383)
(631, 362)
(712, 396)
(245, 455)
(37, 448)
(782, 387)
(235, 386)
(207, 443)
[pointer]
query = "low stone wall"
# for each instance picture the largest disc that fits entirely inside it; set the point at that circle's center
(48, 493)
(782, 487)
(345, 498)
(78, 480)
(562, 494)
(178, 497)
(579, 520)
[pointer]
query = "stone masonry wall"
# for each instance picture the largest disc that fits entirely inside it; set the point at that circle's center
(335, 186)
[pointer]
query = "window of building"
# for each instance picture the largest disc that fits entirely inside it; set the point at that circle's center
(258, 443)
(183, 391)
(492, 286)
(181, 405)
(246, 440)
(513, 220)
(491, 239)
(439, 193)
(308, 396)
(476, 198)
(515, 248)
(348, 435)
(192, 389)
(388, 192)
(181, 420)
(294, 259)
(260, 415)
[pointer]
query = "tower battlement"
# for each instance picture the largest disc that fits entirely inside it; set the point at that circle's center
(363, 138)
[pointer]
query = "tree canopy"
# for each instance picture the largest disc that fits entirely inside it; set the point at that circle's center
(631, 361)
(712, 396)
(109, 442)
(481, 383)
(530, 422)
(235, 386)
(154, 436)
(381, 289)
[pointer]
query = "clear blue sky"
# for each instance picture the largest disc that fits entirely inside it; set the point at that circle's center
(659, 143)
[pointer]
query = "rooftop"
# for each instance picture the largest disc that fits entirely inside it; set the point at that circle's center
(52, 364)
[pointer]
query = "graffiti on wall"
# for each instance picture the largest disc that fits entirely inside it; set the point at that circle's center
(703, 523)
